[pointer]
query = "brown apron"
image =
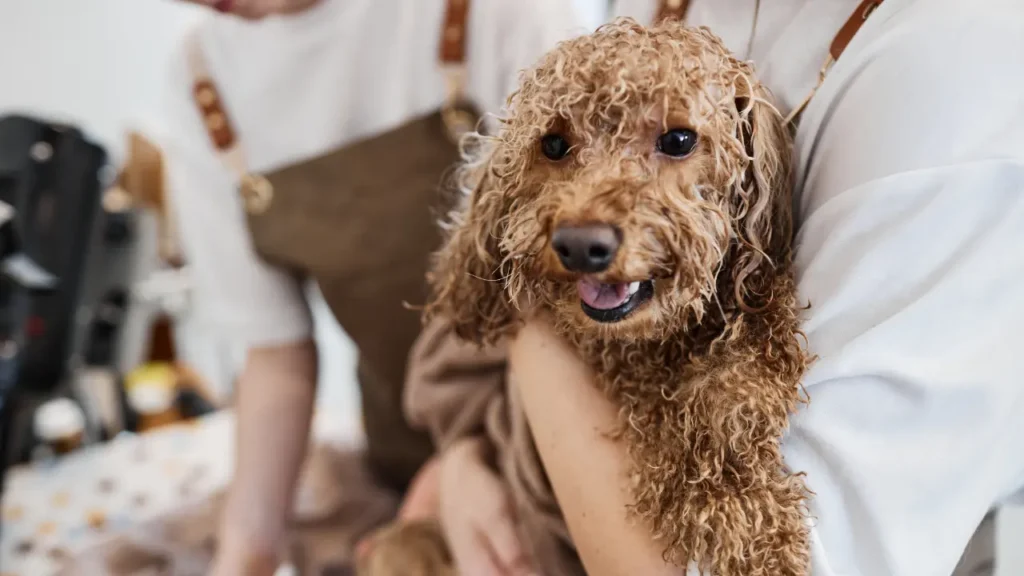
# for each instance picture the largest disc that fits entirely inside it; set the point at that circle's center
(361, 221)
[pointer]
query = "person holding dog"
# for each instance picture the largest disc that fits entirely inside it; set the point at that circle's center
(910, 165)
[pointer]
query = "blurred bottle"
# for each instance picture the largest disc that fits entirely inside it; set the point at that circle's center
(60, 426)
(152, 391)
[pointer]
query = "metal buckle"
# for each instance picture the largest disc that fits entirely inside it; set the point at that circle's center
(869, 9)
(457, 117)
(257, 193)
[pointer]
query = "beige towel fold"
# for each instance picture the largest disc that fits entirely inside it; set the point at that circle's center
(456, 390)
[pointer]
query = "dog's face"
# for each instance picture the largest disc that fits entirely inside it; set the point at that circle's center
(636, 166)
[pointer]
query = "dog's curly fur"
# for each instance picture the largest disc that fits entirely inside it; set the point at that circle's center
(707, 371)
(408, 549)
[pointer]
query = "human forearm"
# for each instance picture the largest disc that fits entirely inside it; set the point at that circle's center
(274, 406)
(569, 419)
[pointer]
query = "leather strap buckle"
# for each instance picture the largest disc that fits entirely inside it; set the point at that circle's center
(257, 193)
(675, 9)
(456, 115)
(839, 43)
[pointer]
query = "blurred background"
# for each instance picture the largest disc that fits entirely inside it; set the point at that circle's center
(138, 355)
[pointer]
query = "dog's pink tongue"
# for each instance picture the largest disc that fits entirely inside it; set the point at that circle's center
(602, 296)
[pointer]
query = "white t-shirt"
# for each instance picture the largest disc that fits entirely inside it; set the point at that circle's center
(302, 85)
(910, 248)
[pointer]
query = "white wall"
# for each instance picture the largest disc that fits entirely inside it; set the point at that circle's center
(98, 63)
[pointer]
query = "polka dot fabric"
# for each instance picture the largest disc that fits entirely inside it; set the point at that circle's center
(52, 509)
(55, 509)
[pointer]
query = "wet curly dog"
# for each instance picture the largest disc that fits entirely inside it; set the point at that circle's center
(639, 192)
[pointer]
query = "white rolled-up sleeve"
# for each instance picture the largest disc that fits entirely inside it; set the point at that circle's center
(910, 252)
(237, 294)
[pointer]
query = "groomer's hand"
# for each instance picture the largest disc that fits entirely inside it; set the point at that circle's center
(256, 9)
(477, 515)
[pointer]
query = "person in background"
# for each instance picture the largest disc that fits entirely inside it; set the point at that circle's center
(908, 203)
(300, 78)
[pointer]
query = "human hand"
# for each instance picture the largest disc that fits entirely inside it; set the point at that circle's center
(256, 9)
(239, 556)
(421, 501)
(477, 515)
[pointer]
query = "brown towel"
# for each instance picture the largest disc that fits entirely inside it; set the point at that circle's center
(456, 390)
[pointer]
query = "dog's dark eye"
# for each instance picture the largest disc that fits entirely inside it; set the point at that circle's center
(554, 146)
(678, 142)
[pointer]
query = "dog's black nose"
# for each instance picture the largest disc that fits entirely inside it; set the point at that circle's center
(587, 249)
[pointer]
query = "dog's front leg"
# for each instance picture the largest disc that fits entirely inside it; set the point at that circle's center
(709, 476)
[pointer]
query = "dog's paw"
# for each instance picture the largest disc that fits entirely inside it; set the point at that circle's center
(413, 548)
(759, 531)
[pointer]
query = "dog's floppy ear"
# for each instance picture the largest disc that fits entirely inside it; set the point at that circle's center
(468, 273)
(762, 203)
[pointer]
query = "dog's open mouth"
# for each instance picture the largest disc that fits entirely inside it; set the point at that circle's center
(612, 302)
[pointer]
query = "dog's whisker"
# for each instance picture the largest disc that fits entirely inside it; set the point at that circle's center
(482, 279)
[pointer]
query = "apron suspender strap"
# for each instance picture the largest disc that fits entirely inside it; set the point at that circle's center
(835, 50)
(677, 9)
(849, 30)
(256, 190)
(453, 35)
(210, 105)
(456, 116)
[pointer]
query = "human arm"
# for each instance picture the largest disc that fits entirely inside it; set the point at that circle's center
(914, 185)
(570, 418)
(274, 404)
(240, 299)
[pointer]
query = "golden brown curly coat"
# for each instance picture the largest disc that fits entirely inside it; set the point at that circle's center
(708, 369)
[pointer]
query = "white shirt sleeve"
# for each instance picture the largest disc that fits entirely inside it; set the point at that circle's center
(543, 24)
(910, 253)
(640, 10)
(510, 36)
(237, 293)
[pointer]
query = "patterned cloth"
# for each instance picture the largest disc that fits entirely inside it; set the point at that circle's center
(56, 509)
